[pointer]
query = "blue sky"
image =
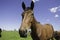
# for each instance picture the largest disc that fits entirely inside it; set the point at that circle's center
(45, 11)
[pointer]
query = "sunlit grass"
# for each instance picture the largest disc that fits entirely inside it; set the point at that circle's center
(13, 35)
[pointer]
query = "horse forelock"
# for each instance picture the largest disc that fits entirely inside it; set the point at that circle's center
(27, 8)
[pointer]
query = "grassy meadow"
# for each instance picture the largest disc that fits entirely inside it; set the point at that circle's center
(13, 35)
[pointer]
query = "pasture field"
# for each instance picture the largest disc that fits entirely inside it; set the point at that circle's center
(13, 35)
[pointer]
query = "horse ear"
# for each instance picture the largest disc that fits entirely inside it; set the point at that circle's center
(32, 5)
(23, 6)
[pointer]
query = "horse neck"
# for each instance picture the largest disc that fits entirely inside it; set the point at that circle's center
(34, 25)
(33, 30)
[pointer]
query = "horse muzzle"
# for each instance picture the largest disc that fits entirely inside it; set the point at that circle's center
(23, 33)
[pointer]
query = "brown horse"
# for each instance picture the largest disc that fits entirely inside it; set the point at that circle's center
(57, 35)
(38, 31)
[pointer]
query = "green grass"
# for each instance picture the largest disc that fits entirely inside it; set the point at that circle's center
(13, 35)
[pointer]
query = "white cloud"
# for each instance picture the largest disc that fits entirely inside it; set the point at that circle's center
(55, 9)
(56, 15)
(35, 0)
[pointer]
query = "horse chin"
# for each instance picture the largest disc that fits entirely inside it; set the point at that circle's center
(23, 35)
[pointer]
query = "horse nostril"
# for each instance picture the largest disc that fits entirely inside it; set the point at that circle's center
(26, 31)
(22, 32)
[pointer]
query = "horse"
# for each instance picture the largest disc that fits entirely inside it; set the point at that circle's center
(0, 31)
(38, 31)
(57, 35)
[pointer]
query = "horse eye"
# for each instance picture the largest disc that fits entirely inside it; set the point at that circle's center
(31, 22)
(22, 14)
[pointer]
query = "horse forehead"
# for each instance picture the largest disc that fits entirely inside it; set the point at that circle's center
(29, 11)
